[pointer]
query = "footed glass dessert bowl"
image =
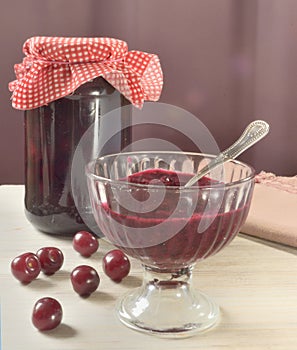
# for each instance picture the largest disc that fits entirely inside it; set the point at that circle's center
(141, 205)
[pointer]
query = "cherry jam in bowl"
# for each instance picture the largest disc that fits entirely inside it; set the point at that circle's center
(141, 205)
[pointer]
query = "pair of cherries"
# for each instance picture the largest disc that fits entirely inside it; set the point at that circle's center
(47, 312)
(26, 267)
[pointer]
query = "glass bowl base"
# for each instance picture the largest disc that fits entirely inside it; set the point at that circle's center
(168, 309)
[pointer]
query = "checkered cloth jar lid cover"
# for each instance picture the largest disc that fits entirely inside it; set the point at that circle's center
(54, 67)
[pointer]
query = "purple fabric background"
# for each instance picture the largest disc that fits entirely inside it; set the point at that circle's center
(226, 61)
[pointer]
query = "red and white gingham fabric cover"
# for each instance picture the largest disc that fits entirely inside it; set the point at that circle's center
(55, 66)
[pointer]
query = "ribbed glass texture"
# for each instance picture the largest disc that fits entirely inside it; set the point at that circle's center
(168, 227)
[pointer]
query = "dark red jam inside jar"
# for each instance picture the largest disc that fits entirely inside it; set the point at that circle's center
(52, 133)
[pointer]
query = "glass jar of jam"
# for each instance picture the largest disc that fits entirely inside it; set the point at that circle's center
(52, 133)
(67, 86)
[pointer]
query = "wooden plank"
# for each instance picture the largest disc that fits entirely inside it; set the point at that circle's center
(255, 285)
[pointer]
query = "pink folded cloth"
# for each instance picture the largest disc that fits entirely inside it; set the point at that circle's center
(273, 212)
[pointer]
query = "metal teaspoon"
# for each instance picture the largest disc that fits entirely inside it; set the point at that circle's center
(253, 133)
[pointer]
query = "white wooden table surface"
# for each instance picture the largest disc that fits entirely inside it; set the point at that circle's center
(254, 284)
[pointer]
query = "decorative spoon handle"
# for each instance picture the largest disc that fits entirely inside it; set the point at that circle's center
(253, 133)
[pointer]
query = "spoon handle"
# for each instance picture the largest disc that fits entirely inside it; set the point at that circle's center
(253, 133)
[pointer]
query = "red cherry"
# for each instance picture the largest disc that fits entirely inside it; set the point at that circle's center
(85, 280)
(25, 267)
(51, 259)
(47, 314)
(85, 243)
(116, 265)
